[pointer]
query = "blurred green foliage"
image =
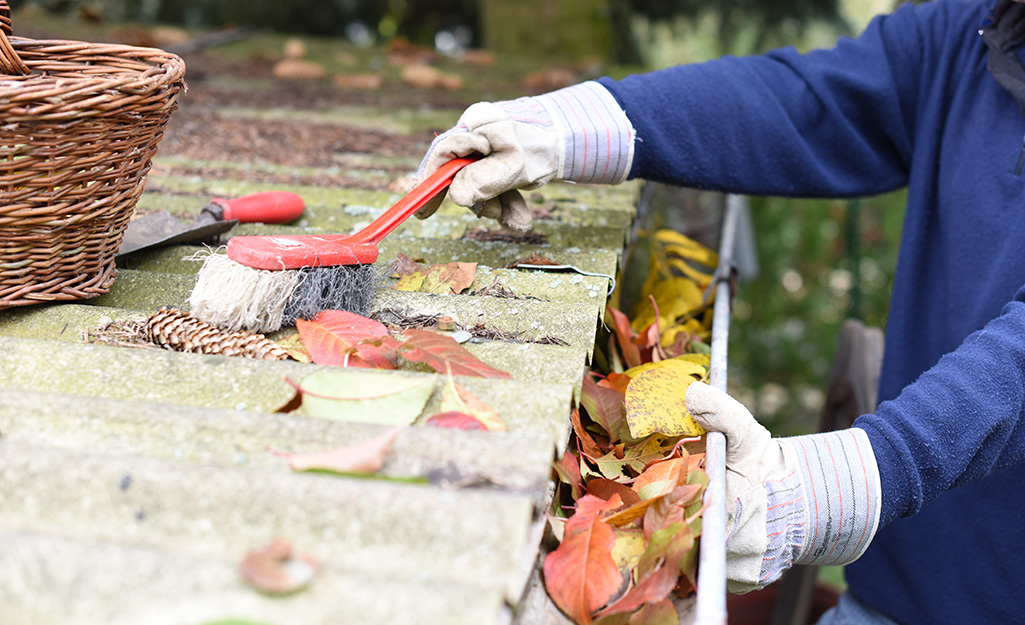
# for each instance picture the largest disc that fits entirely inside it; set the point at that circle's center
(822, 261)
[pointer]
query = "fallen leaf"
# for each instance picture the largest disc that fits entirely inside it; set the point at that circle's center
(605, 489)
(449, 278)
(629, 547)
(533, 259)
(403, 266)
(660, 613)
(670, 509)
(364, 457)
(580, 574)
(445, 278)
(661, 478)
(616, 381)
(604, 405)
(612, 466)
(277, 569)
(689, 364)
(568, 470)
(455, 398)
(588, 446)
(341, 338)
(624, 335)
(411, 283)
(443, 354)
(655, 403)
(651, 449)
(454, 420)
(657, 571)
(293, 346)
(365, 397)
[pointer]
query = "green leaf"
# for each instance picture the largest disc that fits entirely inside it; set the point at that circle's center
(362, 397)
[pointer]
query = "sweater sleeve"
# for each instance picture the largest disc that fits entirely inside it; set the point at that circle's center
(961, 420)
(832, 123)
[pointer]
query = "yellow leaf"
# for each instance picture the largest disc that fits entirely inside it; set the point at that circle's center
(412, 282)
(628, 548)
(688, 364)
(673, 242)
(655, 403)
(702, 278)
(690, 326)
(675, 296)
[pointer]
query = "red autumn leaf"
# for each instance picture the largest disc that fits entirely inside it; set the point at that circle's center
(403, 266)
(669, 509)
(660, 478)
(604, 405)
(624, 335)
(655, 587)
(605, 489)
(581, 575)
(341, 338)
(454, 420)
(660, 613)
(616, 381)
(657, 571)
(443, 354)
(277, 569)
(568, 469)
(587, 444)
(455, 398)
(363, 457)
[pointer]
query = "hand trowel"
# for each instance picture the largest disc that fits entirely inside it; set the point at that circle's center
(218, 216)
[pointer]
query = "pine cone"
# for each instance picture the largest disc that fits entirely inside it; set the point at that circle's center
(182, 332)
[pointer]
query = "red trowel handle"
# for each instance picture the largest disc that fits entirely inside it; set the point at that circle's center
(268, 207)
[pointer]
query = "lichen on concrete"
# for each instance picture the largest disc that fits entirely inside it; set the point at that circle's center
(147, 291)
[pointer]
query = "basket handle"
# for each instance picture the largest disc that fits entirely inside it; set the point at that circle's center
(10, 63)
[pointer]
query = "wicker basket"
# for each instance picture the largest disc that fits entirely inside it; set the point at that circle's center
(79, 125)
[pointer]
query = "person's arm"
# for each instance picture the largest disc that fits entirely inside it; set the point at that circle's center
(961, 420)
(837, 122)
(831, 123)
(820, 498)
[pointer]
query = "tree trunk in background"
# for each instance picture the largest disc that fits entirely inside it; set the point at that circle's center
(564, 31)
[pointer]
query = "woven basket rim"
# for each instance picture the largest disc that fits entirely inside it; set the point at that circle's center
(46, 69)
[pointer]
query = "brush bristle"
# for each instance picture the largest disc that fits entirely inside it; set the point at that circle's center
(346, 287)
(235, 297)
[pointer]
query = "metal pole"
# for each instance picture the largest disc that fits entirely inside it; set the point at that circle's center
(711, 597)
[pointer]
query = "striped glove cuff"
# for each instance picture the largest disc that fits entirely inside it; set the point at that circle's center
(598, 139)
(836, 513)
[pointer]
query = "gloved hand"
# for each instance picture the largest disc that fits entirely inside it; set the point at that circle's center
(810, 499)
(578, 133)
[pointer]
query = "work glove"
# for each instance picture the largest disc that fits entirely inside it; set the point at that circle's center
(578, 134)
(810, 499)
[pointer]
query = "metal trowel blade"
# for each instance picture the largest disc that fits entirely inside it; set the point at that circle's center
(161, 229)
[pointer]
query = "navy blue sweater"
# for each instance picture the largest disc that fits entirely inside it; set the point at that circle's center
(908, 103)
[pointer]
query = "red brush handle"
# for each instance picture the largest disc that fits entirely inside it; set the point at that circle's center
(268, 207)
(412, 202)
(288, 252)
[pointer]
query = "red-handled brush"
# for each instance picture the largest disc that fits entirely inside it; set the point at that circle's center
(266, 282)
